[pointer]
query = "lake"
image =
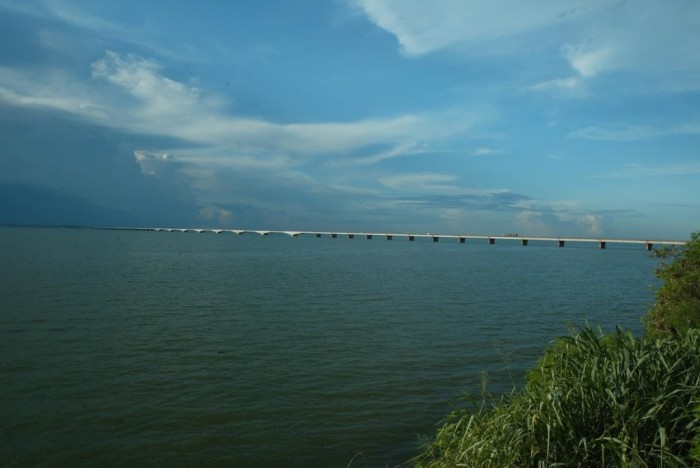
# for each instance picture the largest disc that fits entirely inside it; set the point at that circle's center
(124, 348)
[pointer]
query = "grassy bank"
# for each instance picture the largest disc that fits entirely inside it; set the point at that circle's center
(595, 399)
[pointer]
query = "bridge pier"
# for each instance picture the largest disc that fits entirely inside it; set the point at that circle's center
(462, 238)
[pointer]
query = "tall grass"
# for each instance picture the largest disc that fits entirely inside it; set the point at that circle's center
(593, 400)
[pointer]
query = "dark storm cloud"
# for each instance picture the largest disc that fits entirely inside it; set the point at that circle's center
(49, 160)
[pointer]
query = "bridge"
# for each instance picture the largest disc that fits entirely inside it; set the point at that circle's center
(602, 243)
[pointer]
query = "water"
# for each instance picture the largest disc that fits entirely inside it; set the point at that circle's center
(127, 348)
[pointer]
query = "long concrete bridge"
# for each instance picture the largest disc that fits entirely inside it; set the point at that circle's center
(602, 243)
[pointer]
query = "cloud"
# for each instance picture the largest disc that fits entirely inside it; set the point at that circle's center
(689, 128)
(592, 37)
(153, 104)
(421, 183)
(65, 104)
(432, 183)
(49, 89)
(638, 170)
(622, 132)
(399, 150)
(557, 84)
(218, 147)
(151, 162)
(22, 203)
(588, 61)
(563, 218)
(73, 18)
(653, 38)
(65, 12)
(560, 223)
(139, 77)
(627, 132)
(438, 196)
(574, 87)
(233, 161)
(163, 106)
(486, 151)
(421, 27)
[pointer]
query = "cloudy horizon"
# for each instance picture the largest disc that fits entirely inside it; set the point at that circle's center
(564, 118)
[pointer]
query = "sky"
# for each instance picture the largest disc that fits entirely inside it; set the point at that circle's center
(547, 117)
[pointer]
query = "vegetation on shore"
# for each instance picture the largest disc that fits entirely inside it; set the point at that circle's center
(596, 399)
(677, 305)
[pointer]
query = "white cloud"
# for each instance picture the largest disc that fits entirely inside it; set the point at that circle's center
(654, 38)
(151, 162)
(559, 83)
(556, 156)
(161, 97)
(422, 27)
(151, 103)
(486, 151)
(559, 218)
(400, 150)
(131, 94)
(594, 37)
(591, 223)
(426, 183)
(98, 29)
(638, 170)
(690, 128)
(429, 183)
(65, 104)
(163, 106)
(615, 133)
(49, 89)
(626, 132)
(71, 14)
(588, 61)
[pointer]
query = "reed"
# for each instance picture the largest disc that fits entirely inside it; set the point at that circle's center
(592, 400)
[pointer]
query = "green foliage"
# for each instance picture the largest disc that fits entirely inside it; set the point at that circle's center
(695, 452)
(592, 401)
(677, 305)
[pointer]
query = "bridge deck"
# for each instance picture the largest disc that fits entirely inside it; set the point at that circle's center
(602, 242)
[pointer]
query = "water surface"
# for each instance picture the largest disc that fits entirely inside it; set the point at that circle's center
(128, 348)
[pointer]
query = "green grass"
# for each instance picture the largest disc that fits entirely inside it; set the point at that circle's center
(593, 400)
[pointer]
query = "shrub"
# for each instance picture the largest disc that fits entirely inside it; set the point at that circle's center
(695, 453)
(591, 401)
(677, 305)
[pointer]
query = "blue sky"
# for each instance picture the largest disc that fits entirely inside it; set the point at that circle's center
(566, 117)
